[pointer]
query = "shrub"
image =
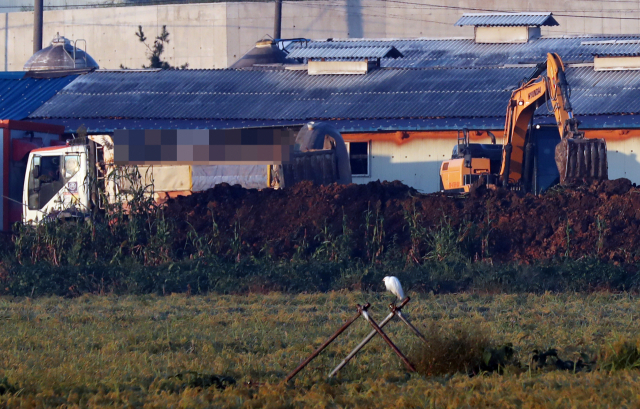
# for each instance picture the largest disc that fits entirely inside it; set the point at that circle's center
(622, 354)
(6, 386)
(450, 352)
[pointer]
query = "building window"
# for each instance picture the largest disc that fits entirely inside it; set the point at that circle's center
(359, 157)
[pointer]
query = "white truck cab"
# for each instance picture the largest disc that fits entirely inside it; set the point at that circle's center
(56, 180)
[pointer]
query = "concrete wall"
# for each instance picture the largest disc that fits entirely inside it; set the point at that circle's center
(10, 6)
(197, 34)
(215, 35)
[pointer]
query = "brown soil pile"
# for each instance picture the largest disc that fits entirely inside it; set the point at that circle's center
(599, 220)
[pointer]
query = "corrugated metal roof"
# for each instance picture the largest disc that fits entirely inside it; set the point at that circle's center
(467, 53)
(387, 51)
(282, 95)
(603, 92)
(507, 19)
(21, 96)
(285, 95)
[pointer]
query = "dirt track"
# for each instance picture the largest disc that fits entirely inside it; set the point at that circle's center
(597, 220)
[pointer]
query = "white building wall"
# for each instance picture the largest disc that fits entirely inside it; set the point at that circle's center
(624, 160)
(415, 163)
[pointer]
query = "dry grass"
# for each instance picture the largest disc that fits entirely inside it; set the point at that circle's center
(448, 352)
(622, 354)
(110, 351)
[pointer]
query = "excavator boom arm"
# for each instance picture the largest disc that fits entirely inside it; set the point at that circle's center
(524, 101)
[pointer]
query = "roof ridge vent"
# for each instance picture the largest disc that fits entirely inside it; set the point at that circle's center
(524, 19)
(507, 27)
(342, 59)
(323, 67)
(610, 42)
(616, 61)
(343, 52)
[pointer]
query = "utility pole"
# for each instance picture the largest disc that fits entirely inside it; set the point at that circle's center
(277, 26)
(37, 25)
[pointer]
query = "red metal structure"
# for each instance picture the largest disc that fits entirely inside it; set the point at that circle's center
(18, 139)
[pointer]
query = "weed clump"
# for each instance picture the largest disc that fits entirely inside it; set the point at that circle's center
(194, 379)
(6, 386)
(467, 349)
(620, 355)
(550, 360)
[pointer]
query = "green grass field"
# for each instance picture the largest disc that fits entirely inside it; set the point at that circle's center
(100, 351)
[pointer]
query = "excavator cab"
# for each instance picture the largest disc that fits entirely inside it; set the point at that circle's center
(470, 164)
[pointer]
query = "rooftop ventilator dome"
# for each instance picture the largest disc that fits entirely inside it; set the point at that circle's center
(265, 53)
(61, 56)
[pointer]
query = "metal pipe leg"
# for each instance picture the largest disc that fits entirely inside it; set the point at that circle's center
(386, 339)
(369, 337)
(360, 346)
(414, 329)
(326, 343)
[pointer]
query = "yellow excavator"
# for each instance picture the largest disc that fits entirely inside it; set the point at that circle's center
(510, 165)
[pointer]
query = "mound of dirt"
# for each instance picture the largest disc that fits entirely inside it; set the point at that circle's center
(600, 220)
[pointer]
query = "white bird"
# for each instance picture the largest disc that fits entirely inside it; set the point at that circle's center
(394, 287)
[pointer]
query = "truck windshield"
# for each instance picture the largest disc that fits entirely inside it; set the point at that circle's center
(48, 181)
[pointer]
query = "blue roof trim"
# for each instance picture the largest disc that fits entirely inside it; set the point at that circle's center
(11, 75)
(109, 125)
(345, 126)
(621, 54)
(19, 96)
(597, 121)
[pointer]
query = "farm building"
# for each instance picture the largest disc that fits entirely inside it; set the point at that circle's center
(399, 103)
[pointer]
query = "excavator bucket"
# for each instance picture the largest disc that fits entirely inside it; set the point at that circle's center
(582, 160)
